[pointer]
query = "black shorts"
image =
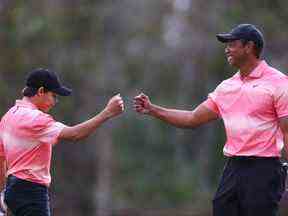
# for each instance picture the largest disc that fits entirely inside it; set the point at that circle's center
(25, 198)
(250, 186)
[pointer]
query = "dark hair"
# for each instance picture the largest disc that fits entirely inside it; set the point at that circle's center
(257, 48)
(30, 91)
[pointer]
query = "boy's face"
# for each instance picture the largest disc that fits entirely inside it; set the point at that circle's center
(47, 101)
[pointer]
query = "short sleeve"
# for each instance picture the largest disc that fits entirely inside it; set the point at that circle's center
(211, 101)
(2, 153)
(281, 99)
(46, 129)
(211, 105)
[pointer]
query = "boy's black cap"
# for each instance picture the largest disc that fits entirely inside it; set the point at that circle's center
(243, 31)
(47, 79)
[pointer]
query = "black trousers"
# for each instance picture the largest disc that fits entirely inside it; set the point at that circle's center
(250, 186)
(25, 198)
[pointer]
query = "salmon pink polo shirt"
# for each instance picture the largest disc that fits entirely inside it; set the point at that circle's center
(26, 138)
(250, 108)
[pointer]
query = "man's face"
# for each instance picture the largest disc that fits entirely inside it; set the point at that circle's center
(47, 101)
(236, 53)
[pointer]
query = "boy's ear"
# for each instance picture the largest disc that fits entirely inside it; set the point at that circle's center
(40, 91)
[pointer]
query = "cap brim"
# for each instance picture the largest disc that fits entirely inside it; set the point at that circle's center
(63, 91)
(224, 38)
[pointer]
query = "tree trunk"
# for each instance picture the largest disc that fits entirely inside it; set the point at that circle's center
(103, 191)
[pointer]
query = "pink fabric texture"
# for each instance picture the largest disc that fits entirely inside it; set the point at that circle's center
(251, 108)
(27, 135)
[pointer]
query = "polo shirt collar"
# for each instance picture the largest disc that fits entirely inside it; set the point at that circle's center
(257, 72)
(25, 103)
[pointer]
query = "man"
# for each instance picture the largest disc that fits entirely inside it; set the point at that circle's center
(254, 107)
(27, 134)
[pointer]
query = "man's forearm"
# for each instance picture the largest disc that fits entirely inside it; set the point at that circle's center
(285, 140)
(178, 118)
(2, 172)
(182, 118)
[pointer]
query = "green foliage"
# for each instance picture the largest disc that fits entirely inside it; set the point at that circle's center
(100, 48)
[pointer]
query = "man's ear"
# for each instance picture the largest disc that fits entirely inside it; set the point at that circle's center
(40, 91)
(250, 46)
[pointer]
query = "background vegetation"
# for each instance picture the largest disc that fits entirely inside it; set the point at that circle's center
(166, 48)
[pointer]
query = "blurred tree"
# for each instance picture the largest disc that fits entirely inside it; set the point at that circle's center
(134, 165)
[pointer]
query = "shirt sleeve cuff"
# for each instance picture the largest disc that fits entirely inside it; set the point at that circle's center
(60, 126)
(211, 105)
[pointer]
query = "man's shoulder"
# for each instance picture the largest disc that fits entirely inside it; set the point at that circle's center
(274, 73)
(276, 78)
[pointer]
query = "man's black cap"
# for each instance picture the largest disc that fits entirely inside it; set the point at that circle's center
(247, 32)
(47, 79)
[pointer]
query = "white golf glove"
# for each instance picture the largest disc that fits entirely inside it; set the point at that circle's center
(3, 206)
